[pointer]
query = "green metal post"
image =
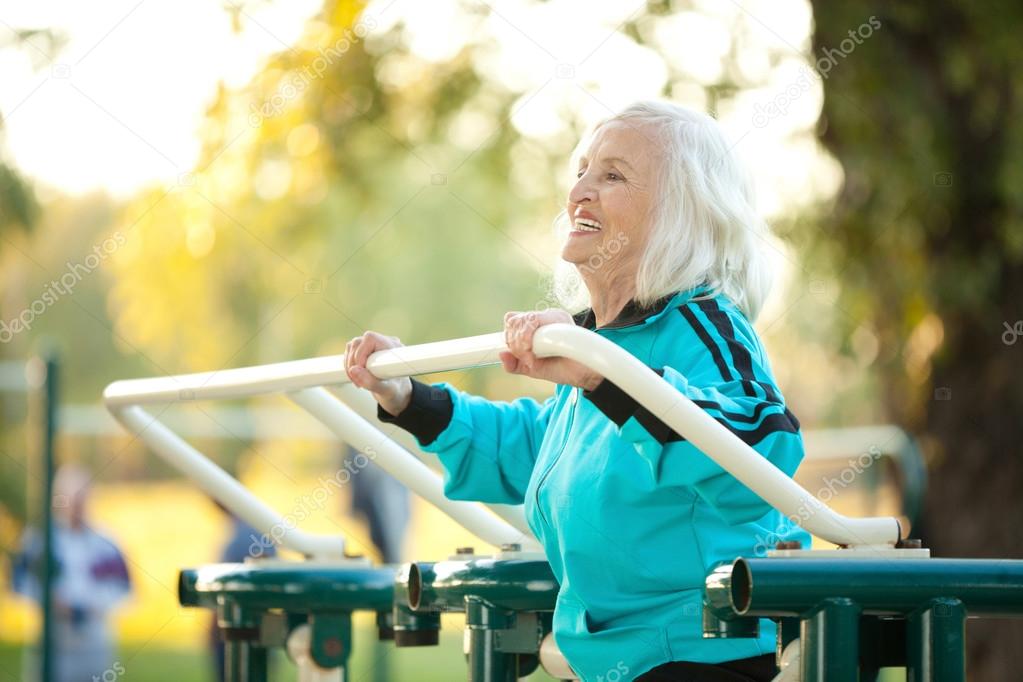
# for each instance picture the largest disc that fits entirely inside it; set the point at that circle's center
(830, 642)
(244, 661)
(882, 645)
(49, 433)
(487, 661)
(502, 600)
(245, 658)
(382, 646)
(788, 630)
(937, 640)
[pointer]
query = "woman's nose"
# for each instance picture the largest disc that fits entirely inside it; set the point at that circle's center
(582, 190)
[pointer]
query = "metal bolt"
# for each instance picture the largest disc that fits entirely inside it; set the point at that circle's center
(788, 544)
(511, 547)
(332, 646)
(910, 543)
(465, 550)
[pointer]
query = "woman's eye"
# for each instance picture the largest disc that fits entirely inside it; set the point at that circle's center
(614, 177)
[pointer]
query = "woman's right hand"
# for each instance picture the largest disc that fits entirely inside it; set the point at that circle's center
(394, 394)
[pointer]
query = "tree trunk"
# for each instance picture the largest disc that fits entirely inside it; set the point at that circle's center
(924, 116)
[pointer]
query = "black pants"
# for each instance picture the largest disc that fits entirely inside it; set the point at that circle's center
(756, 669)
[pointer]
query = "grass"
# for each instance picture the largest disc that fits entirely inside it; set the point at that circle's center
(370, 662)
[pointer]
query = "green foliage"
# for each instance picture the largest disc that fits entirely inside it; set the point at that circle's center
(18, 207)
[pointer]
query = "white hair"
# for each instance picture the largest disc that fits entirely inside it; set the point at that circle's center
(705, 229)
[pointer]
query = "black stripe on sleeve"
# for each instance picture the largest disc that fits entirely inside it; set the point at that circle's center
(769, 391)
(743, 418)
(618, 406)
(740, 353)
(780, 422)
(734, 416)
(715, 352)
(428, 413)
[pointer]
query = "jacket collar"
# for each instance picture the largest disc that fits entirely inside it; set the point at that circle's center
(634, 314)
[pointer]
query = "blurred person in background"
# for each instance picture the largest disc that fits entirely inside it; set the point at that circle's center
(662, 254)
(90, 578)
(383, 502)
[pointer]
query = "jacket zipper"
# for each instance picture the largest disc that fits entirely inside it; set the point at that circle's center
(554, 461)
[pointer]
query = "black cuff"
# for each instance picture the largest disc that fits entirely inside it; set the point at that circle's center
(619, 406)
(661, 432)
(612, 401)
(427, 415)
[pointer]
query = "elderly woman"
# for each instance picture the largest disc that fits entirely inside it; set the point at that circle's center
(661, 231)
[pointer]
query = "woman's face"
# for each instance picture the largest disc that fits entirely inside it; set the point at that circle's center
(613, 194)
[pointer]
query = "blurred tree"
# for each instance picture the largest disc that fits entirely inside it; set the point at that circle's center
(18, 206)
(924, 114)
(327, 202)
(356, 184)
(18, 211)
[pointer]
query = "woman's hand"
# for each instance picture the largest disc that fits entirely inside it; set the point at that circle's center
(394, 394)
(519, 358)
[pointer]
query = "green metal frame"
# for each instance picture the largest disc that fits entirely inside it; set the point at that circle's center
(51, 399)
(259, 604)
(855, 615)
(508, 605)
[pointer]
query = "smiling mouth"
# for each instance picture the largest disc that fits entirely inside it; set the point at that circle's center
(585, 225)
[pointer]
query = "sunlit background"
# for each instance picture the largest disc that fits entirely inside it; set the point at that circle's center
(261, 181)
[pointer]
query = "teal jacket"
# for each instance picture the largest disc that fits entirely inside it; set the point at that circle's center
(631, 515)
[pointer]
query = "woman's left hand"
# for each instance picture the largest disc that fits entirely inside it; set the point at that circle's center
(519, 358)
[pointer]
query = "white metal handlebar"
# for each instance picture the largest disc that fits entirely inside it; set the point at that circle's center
(223, 487)
(300, 378)
(714, 440)
(303, 380)
(286, 377)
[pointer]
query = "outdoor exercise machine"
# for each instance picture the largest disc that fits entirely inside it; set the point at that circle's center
(508, 598)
